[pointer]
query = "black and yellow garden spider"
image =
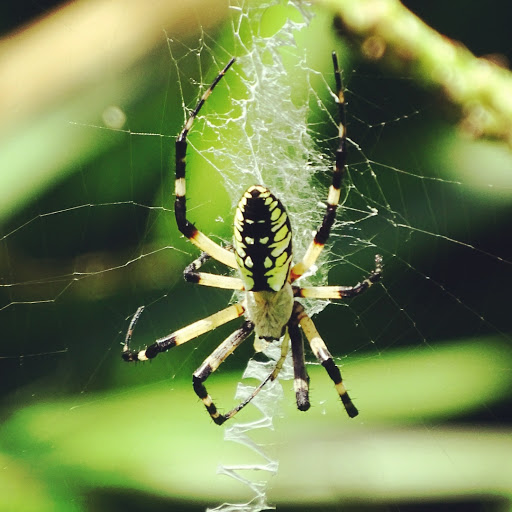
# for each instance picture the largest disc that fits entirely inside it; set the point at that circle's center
(262, 252)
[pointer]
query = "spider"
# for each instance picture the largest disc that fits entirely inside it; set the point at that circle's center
(262, 253)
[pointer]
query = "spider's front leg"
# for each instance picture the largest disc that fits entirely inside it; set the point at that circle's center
(300, 375)
(180, 336)
(211, 363)
(324, 357)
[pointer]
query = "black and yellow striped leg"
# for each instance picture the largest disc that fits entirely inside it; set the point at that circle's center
(180, 205)
(333, 198)
(178, 337)
(192, 275)
(341, 292)
(285, 346)
(211, 363)
(325, 359)
(301, 377)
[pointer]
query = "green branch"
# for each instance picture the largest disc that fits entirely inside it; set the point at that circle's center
(479, 89)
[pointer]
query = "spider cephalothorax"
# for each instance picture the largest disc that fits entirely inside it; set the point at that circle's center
(262, 252)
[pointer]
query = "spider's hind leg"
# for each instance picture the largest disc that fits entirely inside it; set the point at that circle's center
(333, 197)
(188, 229)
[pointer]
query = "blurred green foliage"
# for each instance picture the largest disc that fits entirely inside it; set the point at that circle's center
(428, 353)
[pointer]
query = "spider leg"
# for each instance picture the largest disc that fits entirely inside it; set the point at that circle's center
(325, 359)
(322, 235)
(341, 292)
(192, 275)
(180, 336)
(188, 229)
(211, 363)
(301, 377)
(285, 345)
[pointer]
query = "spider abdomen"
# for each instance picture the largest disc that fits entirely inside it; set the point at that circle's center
(263, 240)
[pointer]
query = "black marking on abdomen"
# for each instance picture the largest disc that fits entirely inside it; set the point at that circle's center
(262, 242)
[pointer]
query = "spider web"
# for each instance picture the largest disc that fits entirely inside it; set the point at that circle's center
(75, 265)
